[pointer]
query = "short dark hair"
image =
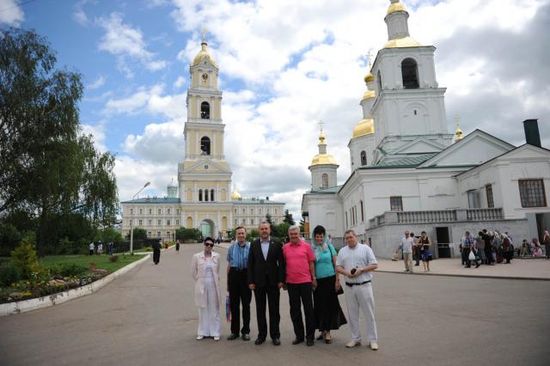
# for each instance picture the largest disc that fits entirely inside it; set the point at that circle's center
(240, 227)
(208, 239)
(319, 230)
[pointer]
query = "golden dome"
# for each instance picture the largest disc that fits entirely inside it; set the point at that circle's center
(203, 56)
(397, 6)
(369, 77)
(459, 135)
(322, 159)
(369, 94)
(235, 196)
(363, 128)
(402, 42)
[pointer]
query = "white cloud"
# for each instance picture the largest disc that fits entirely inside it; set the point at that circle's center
(180, 81)
(98, 83)
(98, 133)
(124, 41)
(150, 100)
(11, 13)
(79, 15)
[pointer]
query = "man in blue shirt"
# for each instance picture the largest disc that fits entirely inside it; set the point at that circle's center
(237, 284)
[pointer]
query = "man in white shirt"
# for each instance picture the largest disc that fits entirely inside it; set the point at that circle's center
(356, 262)
(407, 247)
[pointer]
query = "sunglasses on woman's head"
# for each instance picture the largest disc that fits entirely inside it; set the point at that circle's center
(209, 244)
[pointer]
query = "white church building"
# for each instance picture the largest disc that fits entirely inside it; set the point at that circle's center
(409, 173)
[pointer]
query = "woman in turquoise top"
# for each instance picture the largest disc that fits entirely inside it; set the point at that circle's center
(328, 313)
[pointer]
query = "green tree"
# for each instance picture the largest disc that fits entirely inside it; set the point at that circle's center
(47, 168)
(288, 218)
(188, 234)
(9, 238)
(139, 233)
(269, 220)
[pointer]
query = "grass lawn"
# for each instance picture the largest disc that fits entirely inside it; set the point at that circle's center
(100, 261)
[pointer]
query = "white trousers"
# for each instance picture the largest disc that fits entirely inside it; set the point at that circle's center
(209, 316)
(360, 298)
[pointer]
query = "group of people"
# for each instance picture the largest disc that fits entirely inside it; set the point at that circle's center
(492, 247)
(415, 248)
(534, 248)
(98, 248)
(310, 273)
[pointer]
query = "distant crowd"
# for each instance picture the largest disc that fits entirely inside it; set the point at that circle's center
(488, 247)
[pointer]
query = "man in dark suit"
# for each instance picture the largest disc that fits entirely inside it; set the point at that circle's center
(266, 273)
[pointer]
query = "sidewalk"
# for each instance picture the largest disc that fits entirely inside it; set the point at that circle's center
(525, 269)
(538, 269)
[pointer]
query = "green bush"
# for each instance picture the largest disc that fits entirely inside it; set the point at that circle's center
(68, 270)
(188, 234)
(9, 274)
(25, 259)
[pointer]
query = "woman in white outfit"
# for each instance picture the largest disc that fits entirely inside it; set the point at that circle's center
(205, 268)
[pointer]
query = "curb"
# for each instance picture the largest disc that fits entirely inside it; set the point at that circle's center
(23, 306)
(467, 276)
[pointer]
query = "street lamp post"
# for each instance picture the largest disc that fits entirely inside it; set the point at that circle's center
(132, 221)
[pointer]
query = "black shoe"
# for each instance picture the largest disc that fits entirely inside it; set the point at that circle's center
(259, 341)
(310, 342)
(297, 341)
(477, 265)
(233, 336)
(276, 342)
(245, 337)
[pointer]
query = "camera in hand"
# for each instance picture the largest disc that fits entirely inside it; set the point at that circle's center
(353, 270)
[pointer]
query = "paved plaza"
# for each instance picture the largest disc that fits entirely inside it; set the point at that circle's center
(148, 317)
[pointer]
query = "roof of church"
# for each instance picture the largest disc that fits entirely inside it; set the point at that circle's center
(326, 190)
(149, 200)
(410, 161)
(256, 201)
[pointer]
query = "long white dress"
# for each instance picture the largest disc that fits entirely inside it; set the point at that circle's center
(209, 316)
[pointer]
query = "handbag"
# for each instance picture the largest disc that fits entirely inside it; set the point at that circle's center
(472, 256)
(340, 291)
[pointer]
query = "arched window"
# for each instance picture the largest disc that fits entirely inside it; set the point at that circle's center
(324, 180)
(200, 194)
(205, 110)
(409, 71)
(379, 79)
(363, 158)
(206, 195)
(205, 145)
(212, 195)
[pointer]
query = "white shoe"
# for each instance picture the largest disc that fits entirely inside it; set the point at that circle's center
(353, 343)
(199, 337)
(217, 338)
(374, 346)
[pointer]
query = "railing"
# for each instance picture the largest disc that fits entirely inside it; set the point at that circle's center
(409, 217)
(484, 214)
(436, 216)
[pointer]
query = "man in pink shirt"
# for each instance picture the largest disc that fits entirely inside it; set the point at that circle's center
(300, 282)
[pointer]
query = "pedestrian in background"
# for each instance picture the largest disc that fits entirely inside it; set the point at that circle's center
(156, 251)
(546, 242)
(407, 249)
(205, 269)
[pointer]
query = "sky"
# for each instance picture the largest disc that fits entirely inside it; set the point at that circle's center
(285, 65)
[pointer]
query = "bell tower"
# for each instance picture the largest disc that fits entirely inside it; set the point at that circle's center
(204, 176)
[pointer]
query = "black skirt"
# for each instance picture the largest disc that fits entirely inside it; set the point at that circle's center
(328, 313)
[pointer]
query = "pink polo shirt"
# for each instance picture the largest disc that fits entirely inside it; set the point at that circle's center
(297, 258)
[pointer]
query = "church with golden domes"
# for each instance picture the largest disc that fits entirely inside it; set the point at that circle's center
(202, 198)
(409, 173)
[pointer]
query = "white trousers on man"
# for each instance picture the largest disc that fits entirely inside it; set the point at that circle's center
(360, 298)
(209, 316)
